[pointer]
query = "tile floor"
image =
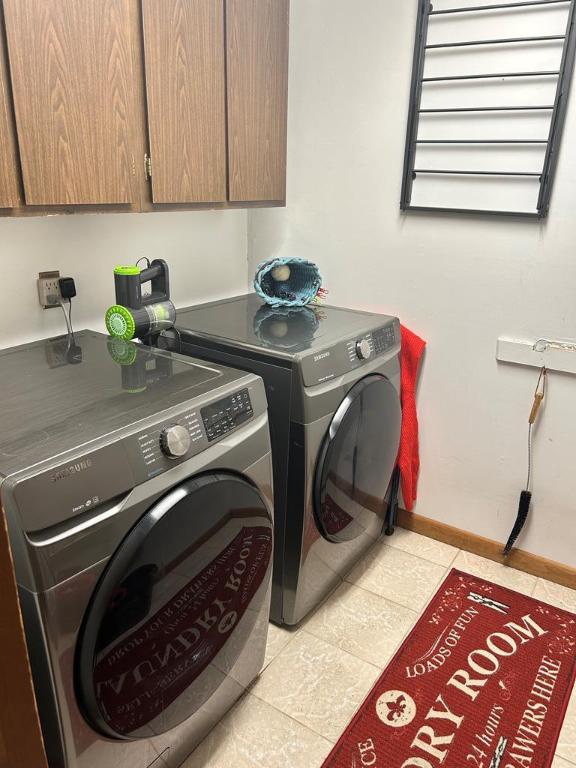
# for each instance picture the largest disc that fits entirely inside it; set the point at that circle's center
(316, 676)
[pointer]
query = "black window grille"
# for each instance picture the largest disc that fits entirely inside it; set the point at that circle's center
(553, 112)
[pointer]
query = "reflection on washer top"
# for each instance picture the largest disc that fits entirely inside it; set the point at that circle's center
(108, 386)
(140, 368)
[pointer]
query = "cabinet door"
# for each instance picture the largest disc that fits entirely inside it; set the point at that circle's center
(20, 735)
(9, 187)
(257, 50)
(185, 83)
(73, 87)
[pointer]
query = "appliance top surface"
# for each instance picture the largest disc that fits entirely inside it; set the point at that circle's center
(51, 403)
(248, 323)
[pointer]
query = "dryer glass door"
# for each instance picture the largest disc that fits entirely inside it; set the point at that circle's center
(177, 604)
(357, 459)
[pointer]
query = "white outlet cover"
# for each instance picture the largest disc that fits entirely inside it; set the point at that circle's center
(48, 286)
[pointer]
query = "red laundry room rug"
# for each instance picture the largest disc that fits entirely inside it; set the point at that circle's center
(482, 681)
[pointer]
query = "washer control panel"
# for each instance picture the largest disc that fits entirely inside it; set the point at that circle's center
(191, 431)
(173, 440)
(225, 415)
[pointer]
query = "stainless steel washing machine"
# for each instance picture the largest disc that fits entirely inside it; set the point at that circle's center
(332, 379)
(137, 486)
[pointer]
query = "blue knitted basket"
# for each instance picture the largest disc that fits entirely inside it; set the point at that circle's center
(300, 289)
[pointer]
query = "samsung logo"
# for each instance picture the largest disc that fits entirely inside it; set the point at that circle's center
(323, 356)
(73, 469)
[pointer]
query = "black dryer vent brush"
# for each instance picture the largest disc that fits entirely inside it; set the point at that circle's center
(523, 510)
(526, 495)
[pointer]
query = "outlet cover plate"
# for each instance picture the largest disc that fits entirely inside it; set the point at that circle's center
(48, 286)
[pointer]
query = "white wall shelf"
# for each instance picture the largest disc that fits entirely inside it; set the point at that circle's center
(556, 355)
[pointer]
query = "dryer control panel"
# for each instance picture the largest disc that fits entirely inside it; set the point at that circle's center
(384, 339)
(338, 360)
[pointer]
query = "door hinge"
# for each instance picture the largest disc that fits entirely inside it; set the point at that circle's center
(147, 167)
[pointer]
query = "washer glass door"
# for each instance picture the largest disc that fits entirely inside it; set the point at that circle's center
(175, 607)
(357, 459)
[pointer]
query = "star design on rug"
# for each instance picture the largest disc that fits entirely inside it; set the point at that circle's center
(450, 601)
(506, 685)
(564, 641)
(562, 646)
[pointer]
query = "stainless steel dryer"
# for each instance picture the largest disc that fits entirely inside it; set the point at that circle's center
(138, 490)
(333, 383)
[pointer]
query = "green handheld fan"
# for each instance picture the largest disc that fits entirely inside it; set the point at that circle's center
(135, 315)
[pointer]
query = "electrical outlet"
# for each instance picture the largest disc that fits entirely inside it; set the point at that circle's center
(49, 289)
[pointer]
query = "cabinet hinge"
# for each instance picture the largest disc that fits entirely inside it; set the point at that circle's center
(147, 167)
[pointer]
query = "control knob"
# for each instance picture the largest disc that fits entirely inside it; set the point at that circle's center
(363, 349)
(175, 441)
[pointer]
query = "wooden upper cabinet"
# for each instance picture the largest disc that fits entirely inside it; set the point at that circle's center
(186, 90)
(72, 81)
(97, 84)
(257, 51)
(9, 184)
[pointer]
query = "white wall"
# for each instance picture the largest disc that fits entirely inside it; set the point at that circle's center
(206, 251)
(459, 282)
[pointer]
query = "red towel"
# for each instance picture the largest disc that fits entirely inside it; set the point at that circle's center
(408, 455)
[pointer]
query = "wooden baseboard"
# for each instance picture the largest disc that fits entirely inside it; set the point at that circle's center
(523, 561)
